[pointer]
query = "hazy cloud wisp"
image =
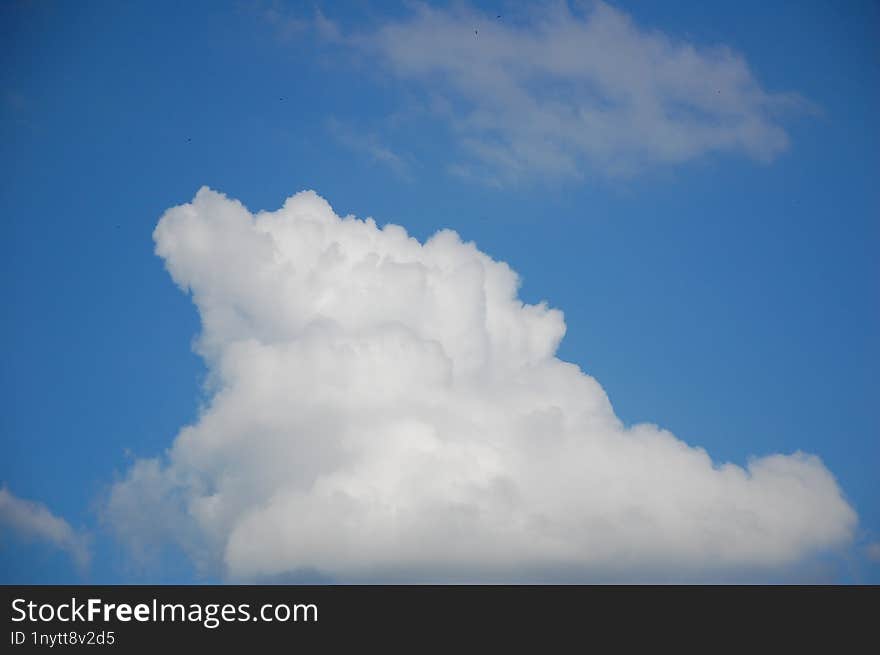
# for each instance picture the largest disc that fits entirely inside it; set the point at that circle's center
(560, 94)
(368, 144)
(34, 521)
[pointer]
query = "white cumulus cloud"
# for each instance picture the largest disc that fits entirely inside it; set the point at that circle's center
(34, 521)
(551, 92)
(385, 409)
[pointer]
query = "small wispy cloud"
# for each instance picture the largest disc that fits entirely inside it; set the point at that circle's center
(872, 551)
(31, 520)
(326, 28)
(558, 93)
(369, 144)
(14, 100)
(286, 24)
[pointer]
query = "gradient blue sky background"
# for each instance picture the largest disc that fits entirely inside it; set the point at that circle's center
(731, 301)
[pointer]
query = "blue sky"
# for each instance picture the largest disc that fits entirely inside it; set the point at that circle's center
(728, 297)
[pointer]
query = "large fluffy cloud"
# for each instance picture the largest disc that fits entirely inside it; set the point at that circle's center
(383, 409)
(551, 92)
(30, 520)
